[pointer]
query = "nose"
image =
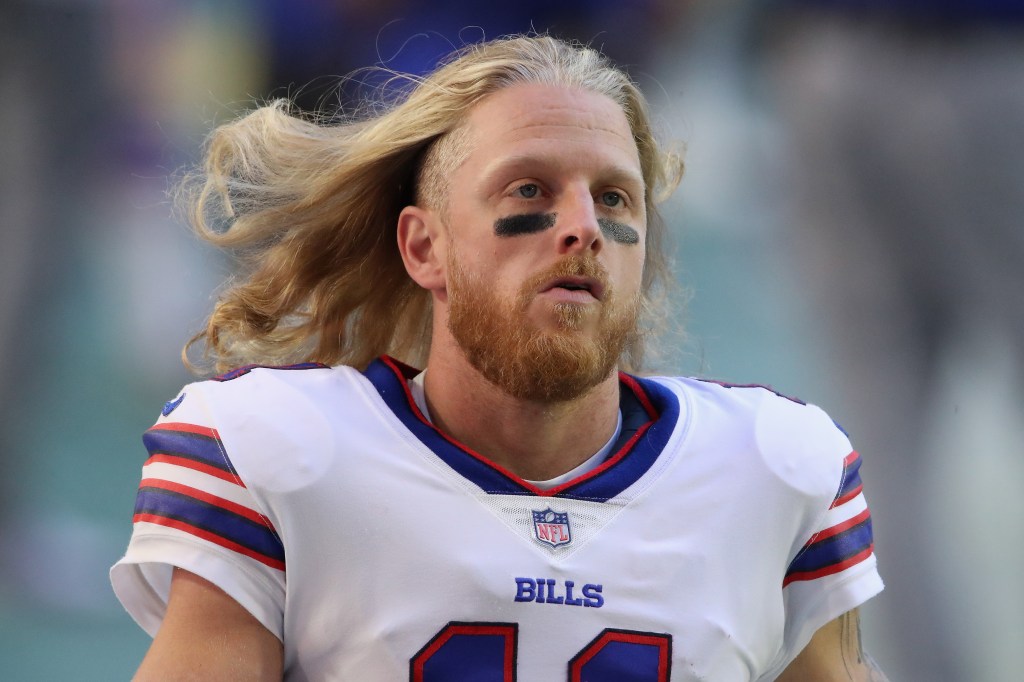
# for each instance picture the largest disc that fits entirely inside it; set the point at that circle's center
(576, 229)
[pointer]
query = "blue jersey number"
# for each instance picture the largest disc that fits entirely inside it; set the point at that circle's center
(486, 652)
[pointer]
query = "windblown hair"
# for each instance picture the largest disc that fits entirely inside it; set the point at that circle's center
(310, 209)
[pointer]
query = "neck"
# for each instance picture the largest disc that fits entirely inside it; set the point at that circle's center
(535, 441)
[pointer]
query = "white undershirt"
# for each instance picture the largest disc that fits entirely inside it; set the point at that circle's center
(592, 462)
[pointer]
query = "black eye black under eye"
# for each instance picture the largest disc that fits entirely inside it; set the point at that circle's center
(525, 223)
(619, 232)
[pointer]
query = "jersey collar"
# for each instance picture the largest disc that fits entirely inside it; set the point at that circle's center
(649, 416)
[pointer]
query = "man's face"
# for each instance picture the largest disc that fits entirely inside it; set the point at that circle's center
(546, 221)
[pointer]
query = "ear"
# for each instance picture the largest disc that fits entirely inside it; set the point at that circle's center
(421, 242)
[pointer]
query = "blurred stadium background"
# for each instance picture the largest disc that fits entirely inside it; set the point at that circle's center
(851, 231)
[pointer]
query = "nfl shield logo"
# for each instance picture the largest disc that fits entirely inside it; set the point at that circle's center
(551, 527)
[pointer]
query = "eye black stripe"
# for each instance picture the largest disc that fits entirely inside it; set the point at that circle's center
(619, 232)
(525, 223)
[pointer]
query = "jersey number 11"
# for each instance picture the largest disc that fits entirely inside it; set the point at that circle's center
(487, 652)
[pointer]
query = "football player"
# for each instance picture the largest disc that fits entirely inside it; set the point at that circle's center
(528, 506)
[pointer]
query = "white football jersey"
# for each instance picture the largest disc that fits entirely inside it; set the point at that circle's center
(726, 526)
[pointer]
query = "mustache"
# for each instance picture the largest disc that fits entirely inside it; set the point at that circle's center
(570, 266)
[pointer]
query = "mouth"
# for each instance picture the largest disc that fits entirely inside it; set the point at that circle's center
(587, 284)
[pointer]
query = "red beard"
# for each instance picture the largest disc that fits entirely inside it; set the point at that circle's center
(529, 363)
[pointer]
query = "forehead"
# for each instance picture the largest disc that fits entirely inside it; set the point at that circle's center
(551, 123)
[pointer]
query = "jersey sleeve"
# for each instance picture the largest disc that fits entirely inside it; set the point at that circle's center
(835, 569)
(193, 511)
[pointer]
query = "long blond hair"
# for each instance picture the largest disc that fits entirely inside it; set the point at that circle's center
(310, 209)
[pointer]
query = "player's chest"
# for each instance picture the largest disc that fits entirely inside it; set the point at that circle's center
(429, 576)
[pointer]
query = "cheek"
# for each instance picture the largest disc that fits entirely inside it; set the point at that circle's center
(489, 269)
(633, 267)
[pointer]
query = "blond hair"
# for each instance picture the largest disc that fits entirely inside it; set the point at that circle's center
(310, 208)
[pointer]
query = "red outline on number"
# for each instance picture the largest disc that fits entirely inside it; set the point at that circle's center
(662, 641)
(507, 630)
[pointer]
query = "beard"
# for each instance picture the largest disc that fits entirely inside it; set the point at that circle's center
(525, 361)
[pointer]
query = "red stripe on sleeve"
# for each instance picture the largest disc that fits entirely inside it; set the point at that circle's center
(186, 428)
(203, 496)
(196, 466)
(848, 496)
(211, 537)
(830, 570)
(840, 527)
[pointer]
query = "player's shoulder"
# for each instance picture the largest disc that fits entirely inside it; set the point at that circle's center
(267, 371)
(258, 421)
(797, 441)
(738, 401)
(262, 386)
(263, 393)
(252, 388)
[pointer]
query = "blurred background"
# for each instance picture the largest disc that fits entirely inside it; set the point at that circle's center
(850, 230)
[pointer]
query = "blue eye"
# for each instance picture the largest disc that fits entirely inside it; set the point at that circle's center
(611, 199)
(528, 191)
